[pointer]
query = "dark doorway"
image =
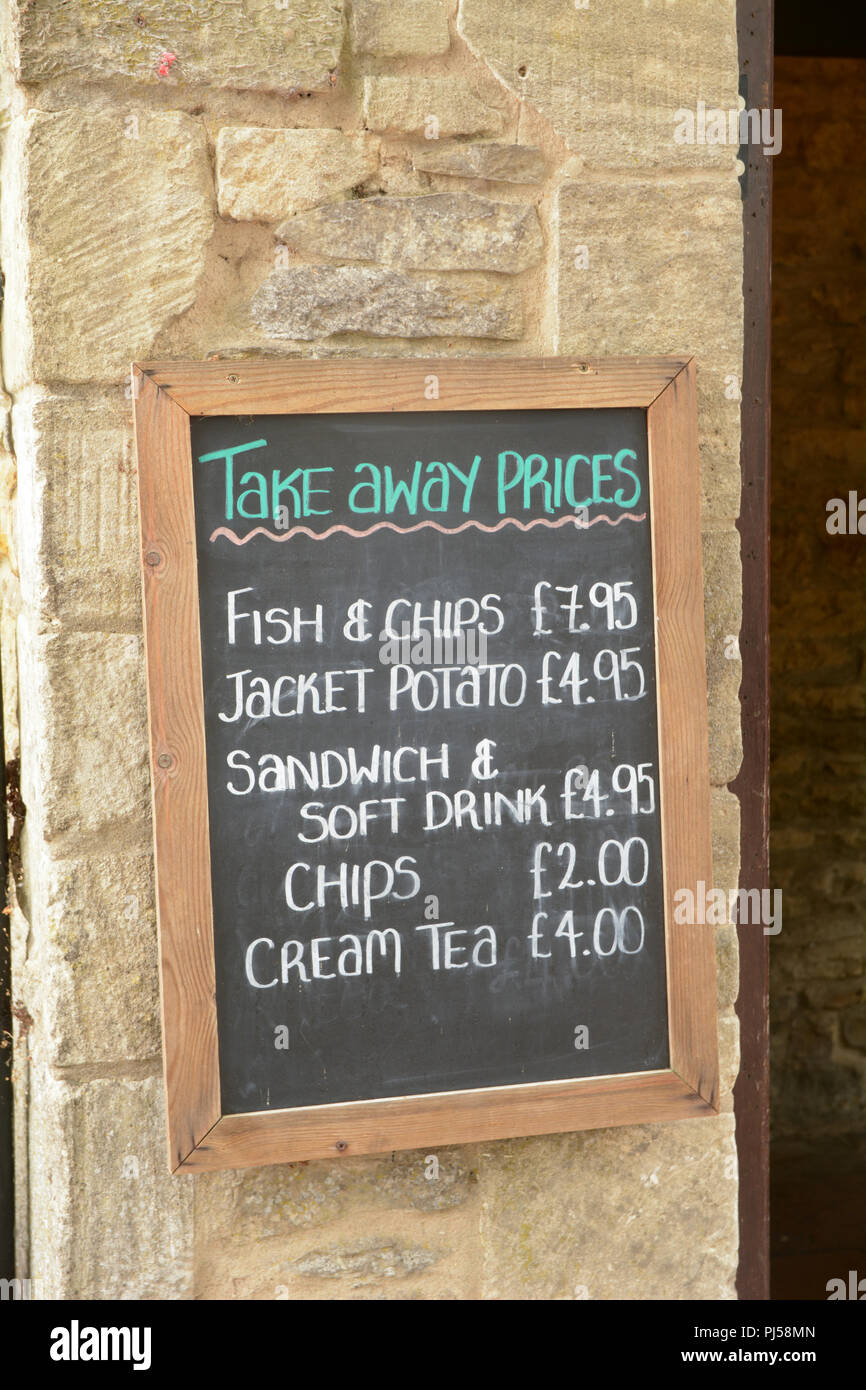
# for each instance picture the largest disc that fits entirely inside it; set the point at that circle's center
(818, 655)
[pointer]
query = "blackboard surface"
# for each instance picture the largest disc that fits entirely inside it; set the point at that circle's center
(528, 950)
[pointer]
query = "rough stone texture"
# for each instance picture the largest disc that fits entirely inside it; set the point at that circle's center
(726, 872)
(610, 1233)
(401, 1226)
(367, 1263)
(397, 175)
(729, 1054)
(274, 1201)
(499, 162)
(728, 966)
(412, 28)
(315, 301)
(220, 43)
(95, 960)
(407, 104)
(442, 231)
(610, 78)
(84, 745)
(726, 838)
(722, 614)
(719, 397)
(818, 621)
(370, 1257)
(77, 501)
(110, 221)
(664, 265)
(111, 1222)
(268, 174)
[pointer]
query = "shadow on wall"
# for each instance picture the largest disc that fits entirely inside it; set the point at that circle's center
(818, 664)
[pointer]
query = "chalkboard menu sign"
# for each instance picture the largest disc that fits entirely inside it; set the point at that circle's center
(428, 723)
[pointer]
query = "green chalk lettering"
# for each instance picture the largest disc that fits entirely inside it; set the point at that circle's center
(315, 491)
(374, 485)
(570, 467)
(440, 480)
(258, 490)
(394, 490)
(229, 456)
(504, 484)
(536, 475)
(620, 467)
(598, 477)
(467, 479)
(287, 484)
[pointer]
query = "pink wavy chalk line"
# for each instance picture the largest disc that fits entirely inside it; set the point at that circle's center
(405, 530)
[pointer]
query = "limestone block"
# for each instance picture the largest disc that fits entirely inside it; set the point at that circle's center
(268, 174)
(368, 1263)
(492, 160)
(613, 1214)
(96, 960)
(397, 176)
(412, 28)
(723, 615)
(77, 507)
(611, 78)
(725, 811)
(663, 273)
(84, 742)
(253, 45)
(719, 397)
(728, 966)
(729, 1052)
(400, 1225)
(441, 231)
(273, 1201)
(316, 301)
(108, 1219)
(424, 1182)
(403, 1257)
(115, 213)
(429, 106)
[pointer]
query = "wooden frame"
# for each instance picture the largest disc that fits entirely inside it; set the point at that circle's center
(166, 395)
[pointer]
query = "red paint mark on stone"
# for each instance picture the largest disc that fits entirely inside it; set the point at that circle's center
(165, 61)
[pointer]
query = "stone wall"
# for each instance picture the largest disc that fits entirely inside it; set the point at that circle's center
(818, 845)
(220, 180)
